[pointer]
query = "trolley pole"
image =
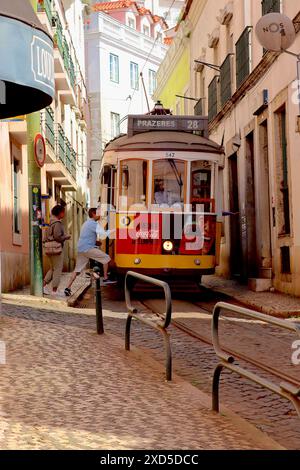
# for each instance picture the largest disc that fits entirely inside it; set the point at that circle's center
(99, 313)
(34, 198)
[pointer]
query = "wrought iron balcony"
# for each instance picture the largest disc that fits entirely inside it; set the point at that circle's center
(47, 7)
(49, 128)
(65, 152)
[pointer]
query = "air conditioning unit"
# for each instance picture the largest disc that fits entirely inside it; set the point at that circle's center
(262, 102)
(226, 14)
(213, 38)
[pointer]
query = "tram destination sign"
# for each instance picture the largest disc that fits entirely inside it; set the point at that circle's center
(142, 123)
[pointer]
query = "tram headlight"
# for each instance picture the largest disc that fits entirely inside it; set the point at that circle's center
(168, 246)
(125, 221)
(137, 261)
(197, 262)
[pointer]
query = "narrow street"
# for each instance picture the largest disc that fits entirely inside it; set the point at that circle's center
(64, 387)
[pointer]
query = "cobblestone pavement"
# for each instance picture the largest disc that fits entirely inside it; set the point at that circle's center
(272, 303)
(64, 387)
(195, 361)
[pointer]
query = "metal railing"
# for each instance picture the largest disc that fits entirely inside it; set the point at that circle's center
(46, 6)
(99, 312)
(285, 389)
(49, 127)
(65, 151)
(60, 144)
(160, 325)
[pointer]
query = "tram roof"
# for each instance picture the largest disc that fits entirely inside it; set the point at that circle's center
(162, 140)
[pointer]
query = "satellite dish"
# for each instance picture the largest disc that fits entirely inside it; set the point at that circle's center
(275, 32)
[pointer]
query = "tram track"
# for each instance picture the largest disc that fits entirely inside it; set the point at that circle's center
(236, 354)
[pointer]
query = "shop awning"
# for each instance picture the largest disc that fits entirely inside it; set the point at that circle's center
(26, 60)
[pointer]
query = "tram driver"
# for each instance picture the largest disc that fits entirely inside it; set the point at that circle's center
(165, 198)
(160, 195)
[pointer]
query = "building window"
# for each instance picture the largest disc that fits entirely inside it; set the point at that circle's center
(152, 82)
(16, 191)
(146, 30)
(225, 80)
(285, 260)
(283, 175)
(114, 68)
(270, 6)
(115, 124)
(134, 76)
(243, 57)
(198, 108)
(159, 37)
(213, 98)
(131, 23)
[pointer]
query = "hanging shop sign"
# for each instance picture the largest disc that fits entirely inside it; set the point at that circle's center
(27, 64)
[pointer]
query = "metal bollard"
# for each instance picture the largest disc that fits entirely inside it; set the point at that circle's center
(99, 315)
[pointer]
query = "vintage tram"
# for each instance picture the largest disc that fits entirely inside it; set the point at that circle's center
(161, 191)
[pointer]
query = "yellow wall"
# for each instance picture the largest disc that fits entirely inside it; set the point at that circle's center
(177, 83)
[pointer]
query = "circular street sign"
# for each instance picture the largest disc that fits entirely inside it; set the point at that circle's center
(39, 150)
(275, 32)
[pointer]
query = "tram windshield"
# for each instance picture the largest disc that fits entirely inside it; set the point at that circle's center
(168, 182)
(133, 184)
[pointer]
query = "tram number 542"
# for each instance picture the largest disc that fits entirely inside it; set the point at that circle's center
(170, 155)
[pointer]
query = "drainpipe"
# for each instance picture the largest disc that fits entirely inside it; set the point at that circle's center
(34, 198)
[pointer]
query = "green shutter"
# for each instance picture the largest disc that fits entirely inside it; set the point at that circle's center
(213, 98)
(225, 79)
(243, 57)
(270, 6)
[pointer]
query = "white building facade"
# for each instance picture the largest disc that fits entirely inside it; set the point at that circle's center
(118, 51)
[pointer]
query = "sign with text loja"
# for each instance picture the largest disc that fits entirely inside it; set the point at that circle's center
(27, 59)
(42, 61)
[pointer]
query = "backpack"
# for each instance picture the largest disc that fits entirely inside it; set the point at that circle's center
(51, 246)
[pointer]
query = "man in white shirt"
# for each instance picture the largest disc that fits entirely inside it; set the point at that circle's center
(87, 250)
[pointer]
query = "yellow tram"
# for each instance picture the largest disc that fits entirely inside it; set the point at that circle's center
(160, 188)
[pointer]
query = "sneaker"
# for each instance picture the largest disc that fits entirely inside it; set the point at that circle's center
(46, 291)
(67, 292)
(59, 294)
(108, 281)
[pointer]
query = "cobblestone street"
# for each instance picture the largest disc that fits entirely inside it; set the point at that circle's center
(64, 387)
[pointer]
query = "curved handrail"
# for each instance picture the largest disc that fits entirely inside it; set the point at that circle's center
(150, 280)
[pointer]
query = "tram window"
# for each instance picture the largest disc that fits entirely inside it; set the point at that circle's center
(201, 186)
(133, 183)
(168, 180)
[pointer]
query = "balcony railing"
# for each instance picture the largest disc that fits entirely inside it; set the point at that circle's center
(65, 151)
(47, 7)
(59, 35)
(59, 38)
(49, 128)
(60, 144)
